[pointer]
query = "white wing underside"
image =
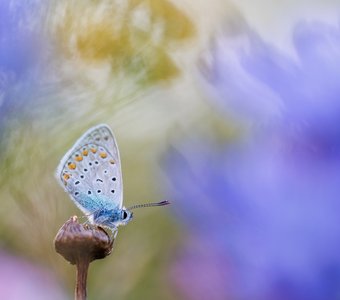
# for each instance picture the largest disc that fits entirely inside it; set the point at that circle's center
(91, 171)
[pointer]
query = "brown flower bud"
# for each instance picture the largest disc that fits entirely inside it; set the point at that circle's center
(80, 244)
(76, 242)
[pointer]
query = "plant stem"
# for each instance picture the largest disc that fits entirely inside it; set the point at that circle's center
(80, 245)
(82, 269)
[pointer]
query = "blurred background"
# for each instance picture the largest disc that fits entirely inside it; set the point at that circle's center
(230, 110)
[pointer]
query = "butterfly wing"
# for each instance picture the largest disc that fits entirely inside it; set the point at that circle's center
(91, 171)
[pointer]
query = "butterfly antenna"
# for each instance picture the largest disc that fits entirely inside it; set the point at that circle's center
(162, 203)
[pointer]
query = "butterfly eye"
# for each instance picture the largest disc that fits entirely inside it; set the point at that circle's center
(125, 215)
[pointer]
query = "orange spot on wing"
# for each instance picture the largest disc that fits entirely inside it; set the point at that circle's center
(112, 161)
(85, 152)
(93, 150)
(72, 166)
(66, 176)
(79, 158)
(102, 154)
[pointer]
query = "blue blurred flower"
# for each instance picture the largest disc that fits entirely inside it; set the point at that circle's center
(16, 36)
(20, 50)
(265, 220)
(262, 84)
(262, 215)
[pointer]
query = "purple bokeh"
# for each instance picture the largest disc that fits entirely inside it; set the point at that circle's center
(20, 279)
(264, 212)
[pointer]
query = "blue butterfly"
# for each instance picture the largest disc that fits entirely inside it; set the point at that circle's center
(91, 174)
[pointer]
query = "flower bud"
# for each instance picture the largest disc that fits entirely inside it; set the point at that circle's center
(77, 242)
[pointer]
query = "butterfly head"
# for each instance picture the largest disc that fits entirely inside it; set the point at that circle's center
(112, 218)
(125, 216)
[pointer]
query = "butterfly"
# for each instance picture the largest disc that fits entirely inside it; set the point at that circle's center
(90, 172)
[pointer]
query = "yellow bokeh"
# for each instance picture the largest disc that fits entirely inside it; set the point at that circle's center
(135, 37)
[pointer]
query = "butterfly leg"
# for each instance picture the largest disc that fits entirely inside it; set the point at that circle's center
(114, 232)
